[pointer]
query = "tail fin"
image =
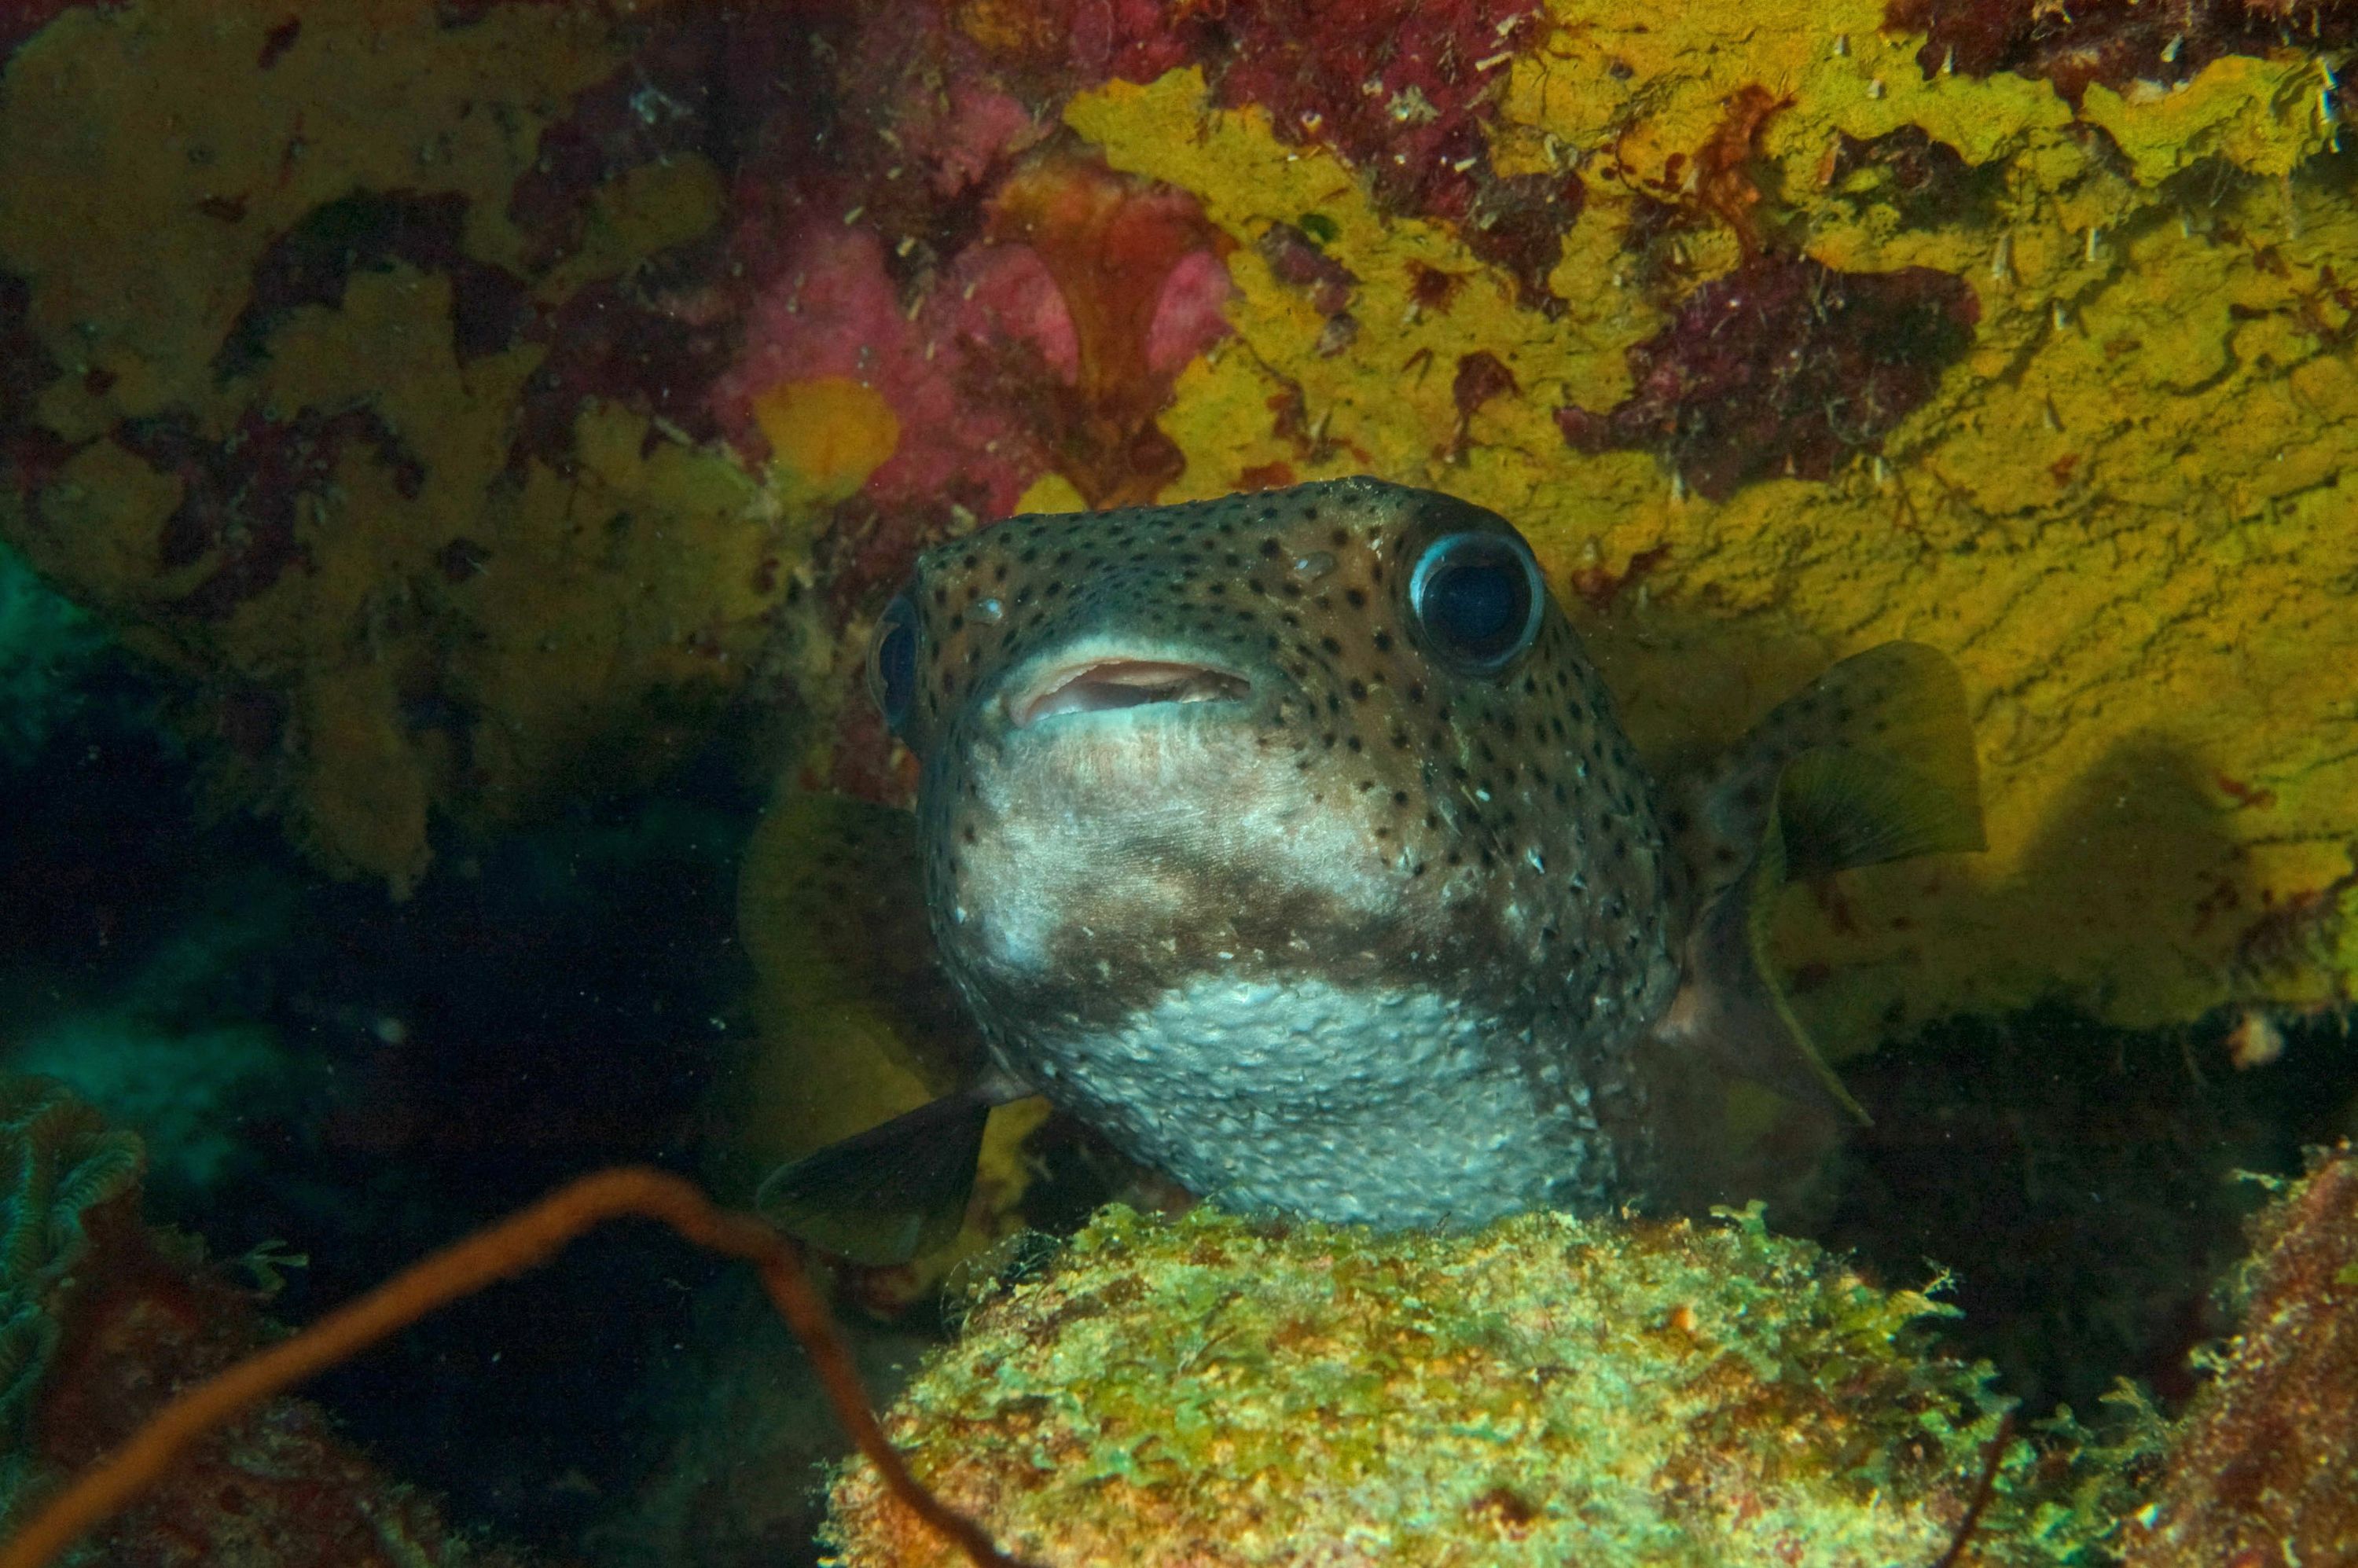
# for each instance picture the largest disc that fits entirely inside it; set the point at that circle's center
(1872, 763)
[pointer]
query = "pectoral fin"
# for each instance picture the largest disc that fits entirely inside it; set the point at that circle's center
(1872, 762)
(899, 1189)
(1838, 808)
(1731, 1007)
(857, 1023)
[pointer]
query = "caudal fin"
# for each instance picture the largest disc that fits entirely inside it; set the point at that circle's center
(1872, 763)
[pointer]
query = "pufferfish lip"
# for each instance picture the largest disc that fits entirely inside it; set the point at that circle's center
(1101, 684)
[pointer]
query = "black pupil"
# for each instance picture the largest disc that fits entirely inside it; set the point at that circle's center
(1477, 602)
(897, 669)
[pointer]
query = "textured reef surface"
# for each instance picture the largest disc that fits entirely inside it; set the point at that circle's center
(103, 1319)
(451, 457)
(2260, 1469)
(536, 391)
(1209, 1391)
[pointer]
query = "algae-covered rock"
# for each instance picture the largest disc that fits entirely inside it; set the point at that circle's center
(59, 1160)
(1212, 1392)
(2264, 1470)
(103, 1320)
(371, 464)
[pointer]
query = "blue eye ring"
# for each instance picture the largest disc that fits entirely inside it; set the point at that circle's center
(1478, 599)
(892, 663)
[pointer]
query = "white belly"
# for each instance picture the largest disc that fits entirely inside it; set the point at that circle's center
(1393, 1108)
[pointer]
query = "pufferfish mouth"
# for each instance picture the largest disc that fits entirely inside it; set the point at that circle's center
(1098, 686)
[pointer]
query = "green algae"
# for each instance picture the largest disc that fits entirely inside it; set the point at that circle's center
(1215, 1390)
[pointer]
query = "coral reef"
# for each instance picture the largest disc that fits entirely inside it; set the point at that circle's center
(468, 454)
(369, 463)
(2140, 444)
(2259, 1472)
(102, 1320)
(537, 395)
(1212, 1392)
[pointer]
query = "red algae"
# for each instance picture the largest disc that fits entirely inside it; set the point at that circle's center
(1298, 260)
(1481, 376)
(313, 262)
(144, 1317)
(1115, 245)
(614, 340)
(838, 313)
(240, 500)
(2259, 1476)
(2112, 42)
(1784, 365)
(1404, 91)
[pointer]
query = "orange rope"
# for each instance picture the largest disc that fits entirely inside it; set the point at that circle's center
(523, 1240)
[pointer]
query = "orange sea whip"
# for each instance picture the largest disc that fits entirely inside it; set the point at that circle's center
(523, 1241)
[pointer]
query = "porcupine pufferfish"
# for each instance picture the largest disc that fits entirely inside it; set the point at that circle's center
(1290, 841)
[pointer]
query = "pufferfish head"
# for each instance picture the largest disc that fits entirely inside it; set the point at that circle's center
(1338, 726)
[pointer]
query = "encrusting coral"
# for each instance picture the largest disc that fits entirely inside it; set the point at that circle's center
(1216, 1391)
(382, 463)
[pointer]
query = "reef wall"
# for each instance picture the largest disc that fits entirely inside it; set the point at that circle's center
(302, 378)
(531, 390)
(1838, 349)
(2260, 1468)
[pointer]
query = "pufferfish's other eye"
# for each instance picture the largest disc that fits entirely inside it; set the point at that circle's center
(892, 663)
(1477, 599)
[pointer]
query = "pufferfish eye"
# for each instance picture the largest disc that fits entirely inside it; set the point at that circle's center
(892, 663)
(1477, 599)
